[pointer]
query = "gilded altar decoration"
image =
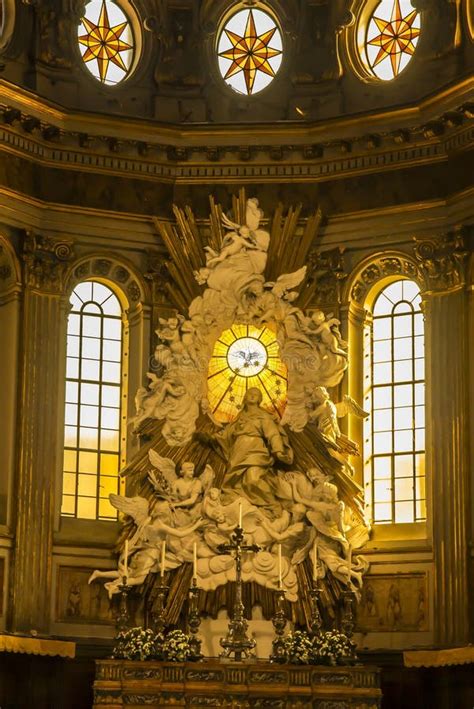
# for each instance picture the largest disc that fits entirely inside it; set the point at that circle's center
(106, 41)
(392, 36)
(249, 50)
(239, 447)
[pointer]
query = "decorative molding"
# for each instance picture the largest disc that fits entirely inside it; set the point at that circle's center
(442, 261)
(326, 275)
(45, 261)
(379, 268)
(112, 269)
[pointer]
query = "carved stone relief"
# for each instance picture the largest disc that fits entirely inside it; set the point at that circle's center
(79, 602)
(381, 268)
(394, 603)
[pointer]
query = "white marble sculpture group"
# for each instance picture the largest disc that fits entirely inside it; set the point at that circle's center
(299, 509)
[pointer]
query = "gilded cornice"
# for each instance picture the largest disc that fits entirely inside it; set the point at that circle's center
(301, 152)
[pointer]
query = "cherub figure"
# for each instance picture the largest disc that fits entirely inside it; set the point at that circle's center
(149, 400)
(328, 332)
(291, 532)
(325, 413)
(232, 244)
(145, 544)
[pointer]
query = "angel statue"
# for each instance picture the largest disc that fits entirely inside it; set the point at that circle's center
(180, 489)
(325, 413)
(144, 548)
(327, 330)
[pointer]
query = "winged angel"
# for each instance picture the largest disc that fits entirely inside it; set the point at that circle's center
(173, 516)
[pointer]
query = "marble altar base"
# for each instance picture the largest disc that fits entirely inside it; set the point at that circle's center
(120, 683)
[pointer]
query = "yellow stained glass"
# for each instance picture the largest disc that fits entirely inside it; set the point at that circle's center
(246, 356)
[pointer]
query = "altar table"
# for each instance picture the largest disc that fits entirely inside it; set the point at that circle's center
(232, 685)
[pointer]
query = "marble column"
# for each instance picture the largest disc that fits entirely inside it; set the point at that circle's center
(445, 304)
(41, 396)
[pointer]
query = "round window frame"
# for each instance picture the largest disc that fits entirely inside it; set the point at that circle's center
(220, 25)
(132, 15)
(356, 41)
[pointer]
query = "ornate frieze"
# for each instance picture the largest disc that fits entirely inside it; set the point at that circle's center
(381, 268)
(326, 276)
(108, 268)
(45, 261)
(441, 261)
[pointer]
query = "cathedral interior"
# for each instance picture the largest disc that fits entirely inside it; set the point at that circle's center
(178, 179)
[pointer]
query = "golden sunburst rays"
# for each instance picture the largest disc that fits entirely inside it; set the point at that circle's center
(397, 37)
(103, 42)
(251, 52)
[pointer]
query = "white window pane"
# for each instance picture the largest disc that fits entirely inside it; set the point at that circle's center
(382, 328)
(90, 394)
(404, 512)
(420, 464)
(382, 442)
(420, 488)
(382, 467)
(110, 418)
(419, 346)
(382, 491)
(382, 373)
(72, 392)
(89, 416)
(111, 396)
(420, 439)
(112, 350)
(402, 308)
(403, 441)
(382, 512)
(419, 394)
(403, 418)
(420, 507)
(112, 329)
(410, 290)
(419, 416)
(88, 437)
(111, 372)
(72, 368)
(73, 324)
(91, 347)
(419, 368)
(70, 415)
(70, 436)
(402, 326)
(91, 326)
(403, 348)
(382, 351)
(112, 306)
(419, 324)
(382, 397)
(403, 466)
(100, 292)
(403, 395)
(75, 301)
(403, 370)
(92, 308)
(382, 420)
(90, 369)
(73, 346)
(394, 291)
(84, 291)
(404, 489)
(383, 306)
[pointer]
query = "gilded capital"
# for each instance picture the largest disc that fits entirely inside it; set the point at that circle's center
(45, 261)
(441, 261)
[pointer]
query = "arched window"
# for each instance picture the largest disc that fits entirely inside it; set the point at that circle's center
(93, 402)
(394, 436)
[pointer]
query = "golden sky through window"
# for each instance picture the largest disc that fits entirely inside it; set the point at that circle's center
(245, 356)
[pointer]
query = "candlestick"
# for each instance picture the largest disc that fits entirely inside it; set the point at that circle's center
(163, 562)
(279, 623)
(194, 621)
(240, 514)
(125, 561)
(315, 561)
(121, 622)
(195, 561)
(280, 582)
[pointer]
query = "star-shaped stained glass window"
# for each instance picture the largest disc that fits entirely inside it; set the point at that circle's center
(106, 41)
(392, 36)
(249, 50)
(245, 356)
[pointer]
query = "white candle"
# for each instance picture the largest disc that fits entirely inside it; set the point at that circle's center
(315, 561)
(195, 561)
(125, 560)
(280, 583)
(240, 514)
(163, 554)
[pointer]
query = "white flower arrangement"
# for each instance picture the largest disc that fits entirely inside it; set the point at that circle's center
(176, 647)
(135, 644)
(298, 646)
(332, 648)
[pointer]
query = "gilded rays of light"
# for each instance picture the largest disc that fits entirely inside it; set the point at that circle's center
(227, 383)
(396, 35)
(106, 43)
(254, 55)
